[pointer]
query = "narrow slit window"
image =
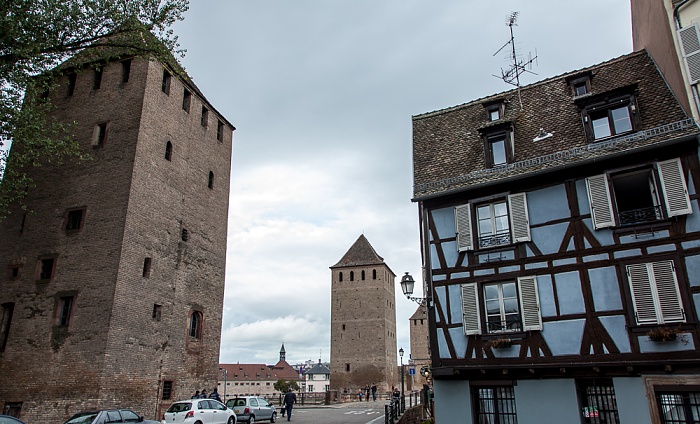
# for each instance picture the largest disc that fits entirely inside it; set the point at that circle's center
(205, 117)
(186, 100)
(165, 85)
(71, 83)
(211, 180)
(168, 151)
(65, 308)
(220, 131)
(99, 136)
(97, 81)
(146, 267)
(6, 312)
(126, 70)
(157, 312)
(195, 330)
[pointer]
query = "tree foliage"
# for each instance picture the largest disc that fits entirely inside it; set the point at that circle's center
(36, 36)
(284, 385)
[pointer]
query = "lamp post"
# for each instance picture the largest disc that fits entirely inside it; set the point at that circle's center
(407, 284)
(403, 399)
(224, 372)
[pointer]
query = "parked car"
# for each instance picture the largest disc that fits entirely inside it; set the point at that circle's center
(7, 419)
(108, 416)
(250, 409)
(199, 411)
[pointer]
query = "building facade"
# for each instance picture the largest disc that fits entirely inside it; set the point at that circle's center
(317, 379)
(363, 321)
(670, 31)
(560, 234)
(112, 286)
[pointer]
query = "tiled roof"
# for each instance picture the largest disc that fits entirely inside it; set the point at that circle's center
(361, 253)
(252, 372)
(420, 313)
(319, 369)
(449, 150)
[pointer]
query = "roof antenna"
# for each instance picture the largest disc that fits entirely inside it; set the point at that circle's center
(512, 74)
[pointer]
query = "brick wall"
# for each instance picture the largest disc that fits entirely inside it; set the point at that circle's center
(113, 353)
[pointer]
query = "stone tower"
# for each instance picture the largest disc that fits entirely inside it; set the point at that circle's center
(363, 320)
(420, 348)
(112, 288)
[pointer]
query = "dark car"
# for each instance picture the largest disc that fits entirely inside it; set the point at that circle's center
(249, 409)
(108, 416)
(7, 419)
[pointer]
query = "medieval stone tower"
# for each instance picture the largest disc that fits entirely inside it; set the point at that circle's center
(363, 320)
(112, 287)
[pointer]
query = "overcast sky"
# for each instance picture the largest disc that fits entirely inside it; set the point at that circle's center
(322, 93)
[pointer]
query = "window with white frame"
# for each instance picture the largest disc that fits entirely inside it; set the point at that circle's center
(656, 297)
(510, 306)
(498, 223)
(638, 196)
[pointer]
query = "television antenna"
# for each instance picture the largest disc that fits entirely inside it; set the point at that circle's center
(518, 66)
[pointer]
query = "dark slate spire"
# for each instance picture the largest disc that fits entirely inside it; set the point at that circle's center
(361, 253)
(283, 353)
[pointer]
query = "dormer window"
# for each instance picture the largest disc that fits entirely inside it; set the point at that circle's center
(498, 145)
(609, 117)
(581, 86)
(494, 111)
(497, 149)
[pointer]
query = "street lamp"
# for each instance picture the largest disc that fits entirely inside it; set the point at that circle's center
(407, 284)
(403, 398)
(224, 372)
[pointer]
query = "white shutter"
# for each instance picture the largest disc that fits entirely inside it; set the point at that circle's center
(463, 221)
(674, 188)
(642, 294)
(519, 219)
(601, 205)
(669, 297)
(530, 303)
(471, 321)
(690, 48)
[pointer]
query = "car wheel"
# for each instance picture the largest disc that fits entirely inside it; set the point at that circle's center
(273, 418)
(251, 420)
(231, 420)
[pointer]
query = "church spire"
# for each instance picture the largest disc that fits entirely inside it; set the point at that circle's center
(283, 353)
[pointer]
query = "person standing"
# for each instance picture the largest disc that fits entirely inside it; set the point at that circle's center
(289, 400)
(374, 392)
(367, 393)
(204, 394)
(196, 395)
(215, 394)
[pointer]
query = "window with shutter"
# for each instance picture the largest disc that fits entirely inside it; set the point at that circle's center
(639, 195)
(519, 219)
(674, 188)
(530, 303)
(690, 47)
(471, 321)
(463, 221)
(599, 198)
(655, 293)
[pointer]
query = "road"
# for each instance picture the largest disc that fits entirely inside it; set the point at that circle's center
(354, 413)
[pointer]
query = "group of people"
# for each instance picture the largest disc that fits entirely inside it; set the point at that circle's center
(204, 395)
(367, 391)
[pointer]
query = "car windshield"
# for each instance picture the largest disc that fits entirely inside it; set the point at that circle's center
(82, 418)
(235, 402)
(180, 407)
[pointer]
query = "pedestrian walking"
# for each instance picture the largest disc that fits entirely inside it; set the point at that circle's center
(215, 394)
(374, 392)
(367, 393)
(289, 400)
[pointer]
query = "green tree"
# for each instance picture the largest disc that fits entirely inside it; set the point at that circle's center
(284, 385)
(36, 36)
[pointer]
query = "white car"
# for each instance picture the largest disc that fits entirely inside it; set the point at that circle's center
(199, 411)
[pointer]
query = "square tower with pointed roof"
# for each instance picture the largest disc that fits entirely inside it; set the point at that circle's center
(363, 321)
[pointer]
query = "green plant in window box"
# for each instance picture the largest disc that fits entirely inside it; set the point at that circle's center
(502, 343)
(663, 335)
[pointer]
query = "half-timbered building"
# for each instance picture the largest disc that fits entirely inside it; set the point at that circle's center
(560, 234)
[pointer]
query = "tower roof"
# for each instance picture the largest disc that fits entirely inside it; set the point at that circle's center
(360, 253)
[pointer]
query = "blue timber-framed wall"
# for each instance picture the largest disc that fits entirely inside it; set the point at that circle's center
(586, 324)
